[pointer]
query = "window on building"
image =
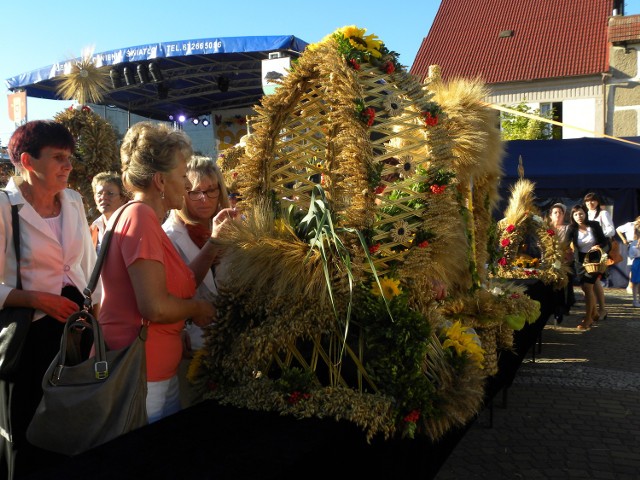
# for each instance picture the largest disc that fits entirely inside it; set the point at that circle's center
(555, 131)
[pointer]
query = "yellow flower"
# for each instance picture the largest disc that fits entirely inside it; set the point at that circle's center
(390, 288)
(356, 36)
(374, 44)
(465, 342)
(351, 31)
(194, 366)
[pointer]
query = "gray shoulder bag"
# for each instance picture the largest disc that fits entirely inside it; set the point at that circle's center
(89, 403)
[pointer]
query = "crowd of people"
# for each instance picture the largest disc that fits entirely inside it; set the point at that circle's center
(590, 228)
(162, 275)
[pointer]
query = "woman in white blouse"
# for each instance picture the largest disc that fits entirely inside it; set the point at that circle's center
(189, 229)
(585, 235)
(57, 258)
(598, 214)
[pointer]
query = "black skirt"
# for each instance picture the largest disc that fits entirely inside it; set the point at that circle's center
(20, 399)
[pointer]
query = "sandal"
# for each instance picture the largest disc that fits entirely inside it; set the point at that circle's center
(584, 325)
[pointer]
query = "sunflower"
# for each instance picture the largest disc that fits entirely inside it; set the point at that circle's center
(464, 341)
(370, 44)
(388, 287)
(400, 232)
(393, 105)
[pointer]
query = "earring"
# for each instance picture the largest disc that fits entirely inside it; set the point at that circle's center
(162, 195)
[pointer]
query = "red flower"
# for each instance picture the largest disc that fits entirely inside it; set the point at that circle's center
(388, 67)
(510, 228)
(423, 244)
(551, 232)
(296, 396)
(368, 115)
(514, 295)
(354, 64)
(502, 262)
(374, 248)
(437, 189)
(379, 189)
(430, 120)
(412, 417)
(212, 385)
(505, 241)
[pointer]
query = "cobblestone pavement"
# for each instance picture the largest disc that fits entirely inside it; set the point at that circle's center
(573, 411)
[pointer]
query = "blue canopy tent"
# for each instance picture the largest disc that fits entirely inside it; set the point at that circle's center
(190, 77)
(565, 170)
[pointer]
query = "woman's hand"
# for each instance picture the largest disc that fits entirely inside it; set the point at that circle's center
(223, 217)
(55, 306)
(207, 316)
(439, 289)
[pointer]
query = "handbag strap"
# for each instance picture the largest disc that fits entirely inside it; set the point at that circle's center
(15, 226)
(104, 247)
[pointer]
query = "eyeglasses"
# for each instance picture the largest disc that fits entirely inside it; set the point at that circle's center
(199, 194)
(106, 193)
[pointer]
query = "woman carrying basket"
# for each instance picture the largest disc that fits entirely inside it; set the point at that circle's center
(588, 241)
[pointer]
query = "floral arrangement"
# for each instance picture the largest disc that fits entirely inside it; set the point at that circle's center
(6, 169)
(327, 307)
(523, 230)
(550, 267)
(227, 161)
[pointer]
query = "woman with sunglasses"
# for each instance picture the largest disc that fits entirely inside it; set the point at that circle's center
(189, 229)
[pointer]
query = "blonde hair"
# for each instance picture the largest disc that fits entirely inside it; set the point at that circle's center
(198, 168)
(148, 148)
(636, 228)
(113, 178)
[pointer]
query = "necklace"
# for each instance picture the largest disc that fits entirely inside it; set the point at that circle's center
(49, 211)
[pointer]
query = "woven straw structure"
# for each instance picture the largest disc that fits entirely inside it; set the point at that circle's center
(522, 221)
(96, 150)
(595, 261)
(388, 159)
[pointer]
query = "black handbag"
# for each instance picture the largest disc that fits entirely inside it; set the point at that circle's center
(87, 402)
(14, 321)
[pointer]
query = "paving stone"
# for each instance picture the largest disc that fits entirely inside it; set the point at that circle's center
(574, 412)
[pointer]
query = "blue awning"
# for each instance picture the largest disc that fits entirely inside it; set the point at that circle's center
(587, 163)
(195, 76)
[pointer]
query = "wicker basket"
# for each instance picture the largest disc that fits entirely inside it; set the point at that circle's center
(595, 261)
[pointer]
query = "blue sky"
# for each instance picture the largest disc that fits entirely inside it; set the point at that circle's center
(39, 33)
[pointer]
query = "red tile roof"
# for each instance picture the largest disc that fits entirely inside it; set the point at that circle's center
(548, 39)
(624, 29)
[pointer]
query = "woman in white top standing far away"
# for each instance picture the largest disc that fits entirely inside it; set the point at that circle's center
(596, 213)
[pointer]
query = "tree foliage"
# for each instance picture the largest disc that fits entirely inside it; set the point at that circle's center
(520, 127)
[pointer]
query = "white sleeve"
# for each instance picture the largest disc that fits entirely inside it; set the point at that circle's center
(606, 223)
